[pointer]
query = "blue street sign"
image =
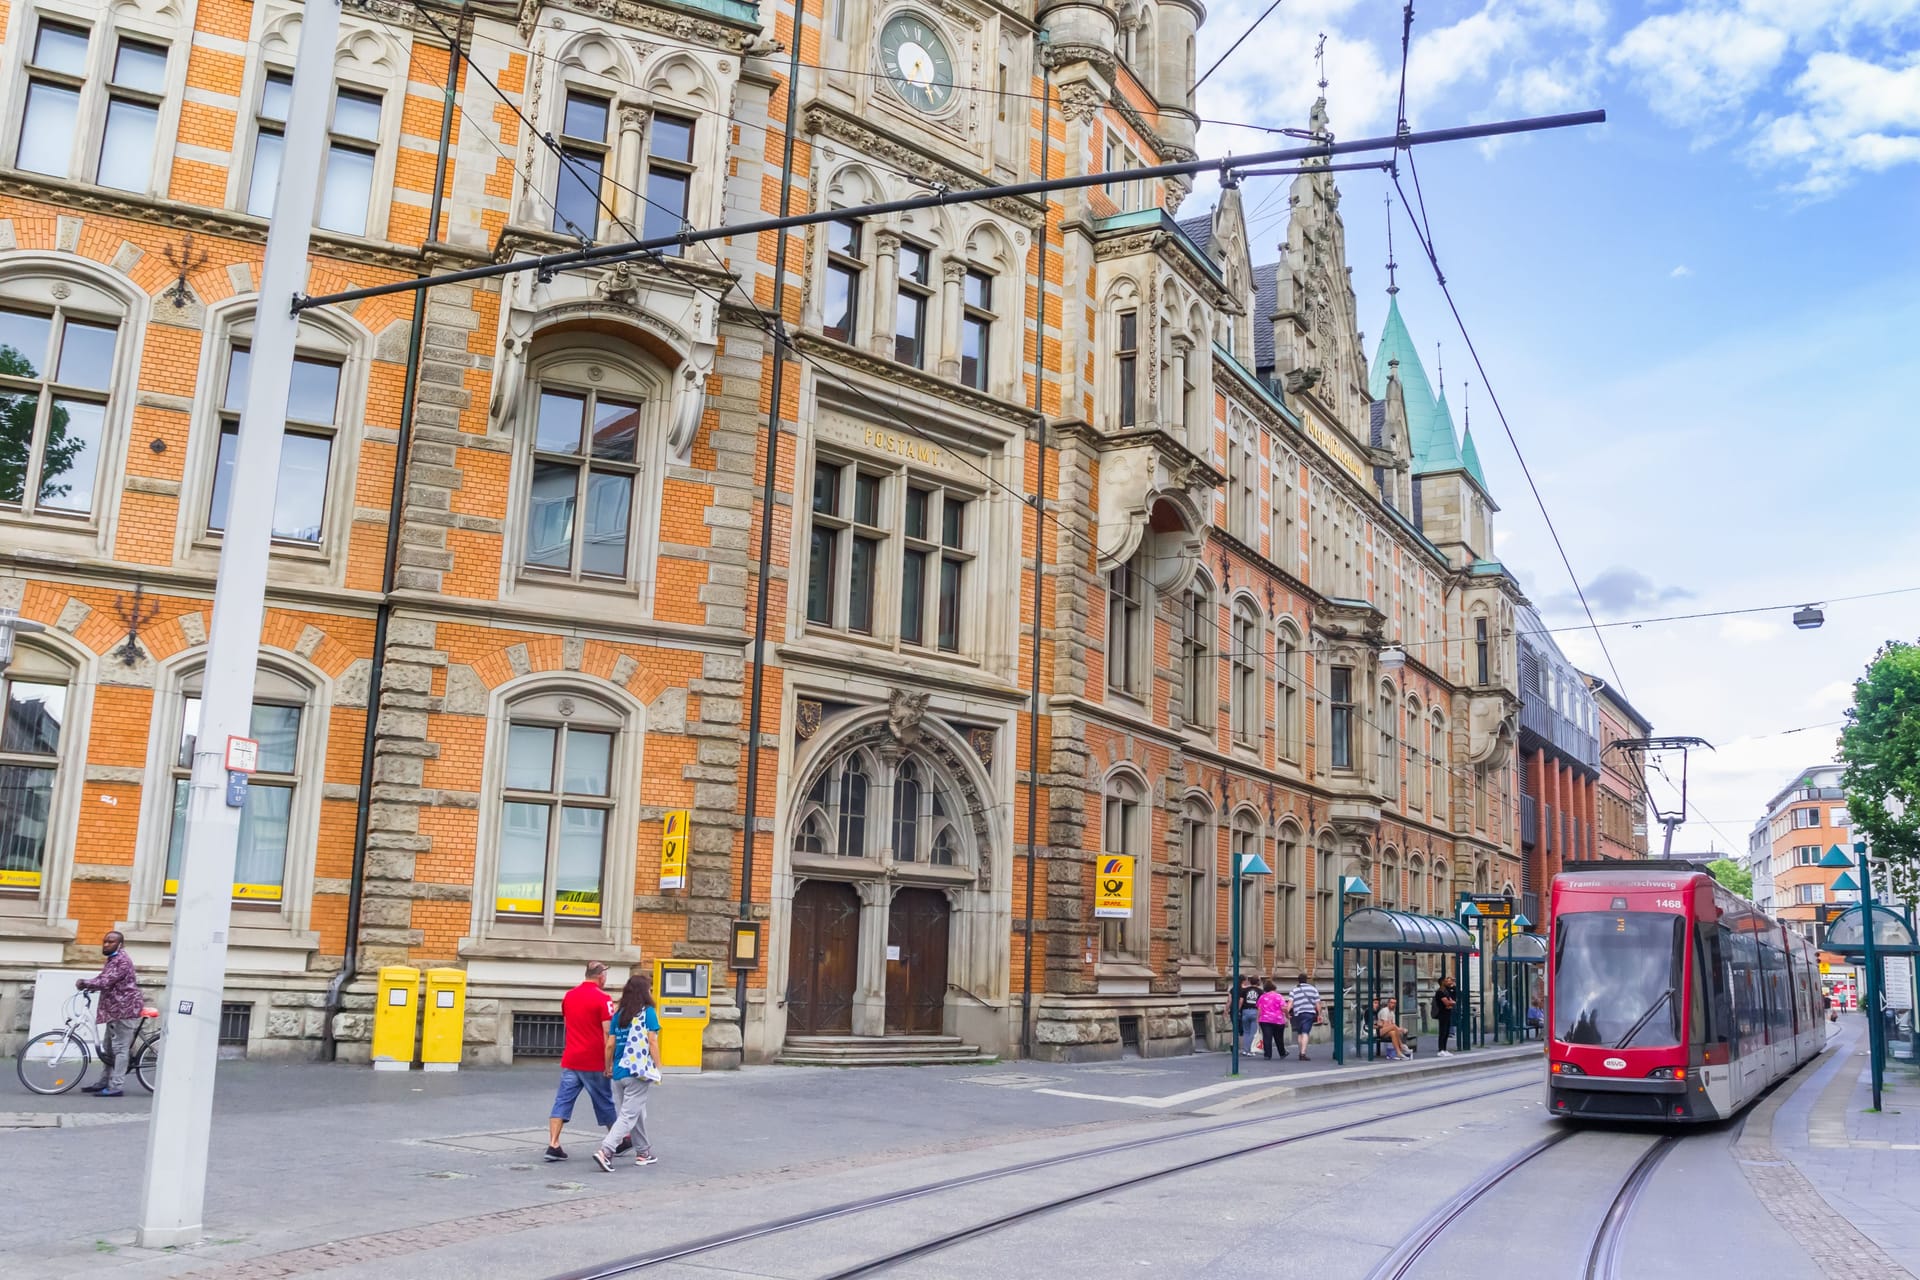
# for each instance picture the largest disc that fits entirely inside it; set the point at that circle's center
(236, 789)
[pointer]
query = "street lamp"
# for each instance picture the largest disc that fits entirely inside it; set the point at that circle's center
(1808, 617)
(11, 625)
(1244, 864)
(1350, 887)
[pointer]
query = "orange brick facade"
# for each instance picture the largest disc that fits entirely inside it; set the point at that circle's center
(603, 592)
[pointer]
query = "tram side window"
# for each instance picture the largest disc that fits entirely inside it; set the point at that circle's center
(1719, 956)
(1779, 1015)
(1699, 999)
(1747, 1010)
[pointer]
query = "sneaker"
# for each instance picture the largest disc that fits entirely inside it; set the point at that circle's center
(94, 1088)
(646, 1157)
(626, 1145)
(556, 1153)
(1445, 1054)
(601, 1158)
(111, 1093)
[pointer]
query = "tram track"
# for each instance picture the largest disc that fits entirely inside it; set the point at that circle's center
(1529, 1078)
(1605, 1250)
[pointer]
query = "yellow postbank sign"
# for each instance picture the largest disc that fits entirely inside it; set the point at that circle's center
(1113, 887)
(674, 832)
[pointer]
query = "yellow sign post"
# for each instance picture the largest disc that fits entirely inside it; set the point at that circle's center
(673, 848)
(1114, 888)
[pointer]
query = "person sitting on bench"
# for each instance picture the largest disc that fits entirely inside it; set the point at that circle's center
(1387, 1028)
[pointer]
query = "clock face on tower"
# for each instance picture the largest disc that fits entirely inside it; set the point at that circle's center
(917, 62)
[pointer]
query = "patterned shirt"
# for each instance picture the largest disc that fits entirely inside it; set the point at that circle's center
(119, 989)
(1305, 1000)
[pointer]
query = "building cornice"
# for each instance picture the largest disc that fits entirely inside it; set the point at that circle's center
(829, 121)
(897, 375)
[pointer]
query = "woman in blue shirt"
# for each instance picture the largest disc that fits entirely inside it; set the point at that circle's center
(633, 1048)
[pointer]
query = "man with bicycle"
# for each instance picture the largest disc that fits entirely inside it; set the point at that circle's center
(118, 1012)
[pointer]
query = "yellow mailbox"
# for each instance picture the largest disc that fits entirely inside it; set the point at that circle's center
(443, 1019)
(682, 990)
(395, 1013)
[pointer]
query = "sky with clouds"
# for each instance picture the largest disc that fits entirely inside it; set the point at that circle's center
(1698, 317)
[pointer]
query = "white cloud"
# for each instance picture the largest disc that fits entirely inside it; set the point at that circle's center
(1698, 64)
(1853, 115)
(1680, 272)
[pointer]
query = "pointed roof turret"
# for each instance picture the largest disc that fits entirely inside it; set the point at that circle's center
(1441, 449)
(1396, 345)
(1470, 457)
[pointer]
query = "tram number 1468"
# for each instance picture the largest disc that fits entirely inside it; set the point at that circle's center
(1673, 904)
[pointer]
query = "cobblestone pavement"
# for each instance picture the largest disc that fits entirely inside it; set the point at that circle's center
(316, 1168)
(1845, 1180)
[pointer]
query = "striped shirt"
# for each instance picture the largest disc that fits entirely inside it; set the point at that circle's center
(1305, 1000)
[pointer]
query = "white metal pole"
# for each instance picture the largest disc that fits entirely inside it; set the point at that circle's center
(174, 1191)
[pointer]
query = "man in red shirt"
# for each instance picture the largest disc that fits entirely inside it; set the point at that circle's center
(583, 1059)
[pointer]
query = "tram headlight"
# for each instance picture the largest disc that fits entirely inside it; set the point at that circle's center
(1567, 1069)
(1667, 1073)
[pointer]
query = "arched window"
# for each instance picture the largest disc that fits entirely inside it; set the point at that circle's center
(279, 792)
(558, 794)
(1198, 626)
(1289, 920)
(1288, 699)
(34, 695)
(1247, 645)
(1253, 889)
(1326, 898)
(1417, 884)
(833, 820)
(1438, 758)
(1123, 832)
(1389, 748)
(923, 817)
(1197, 880)
(1442, 889)
(1388, 890)
(1416, 776)
(1127, 656)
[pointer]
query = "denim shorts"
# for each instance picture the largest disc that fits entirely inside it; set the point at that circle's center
(597, 1088)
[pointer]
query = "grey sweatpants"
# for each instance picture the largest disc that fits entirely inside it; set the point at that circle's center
(630, 1099)
(116, 1047)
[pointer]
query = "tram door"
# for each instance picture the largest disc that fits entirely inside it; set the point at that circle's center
(821, 962)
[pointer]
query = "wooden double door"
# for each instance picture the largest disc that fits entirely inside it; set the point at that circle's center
(823, 960)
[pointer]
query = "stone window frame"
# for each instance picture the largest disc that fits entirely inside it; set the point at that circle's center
(326, 336)
(1243, 477)
(1284, 535)
(283, 925)
(1123, 297)
(1290, 894)
(1247, 680)
(1418, 778)
(1386, 892)
(546, 693)
(1135, 610)
(1246, 835)
(1439, 772)
(1441, 873)
(370, 59)
(1199, 874)
(1417, 887)
(104, 29)
(575, 356)
(1289, 695)
(1199, 655)
(1326, 893)
(1390, 742)
(37, 281)
(882, 766)
(51, 657)
(1128, 942)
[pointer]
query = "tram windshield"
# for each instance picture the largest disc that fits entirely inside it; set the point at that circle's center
(1616, 977)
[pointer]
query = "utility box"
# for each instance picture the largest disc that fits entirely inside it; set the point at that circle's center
(396, 1014)
(683, 992)
(443, 1019)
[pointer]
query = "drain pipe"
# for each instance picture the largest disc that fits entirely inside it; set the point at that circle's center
(383, 613)
(1039, 520)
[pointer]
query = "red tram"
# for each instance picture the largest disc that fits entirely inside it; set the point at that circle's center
(1668, 997)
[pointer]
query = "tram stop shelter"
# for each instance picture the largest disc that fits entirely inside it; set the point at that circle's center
(1519, 960)
(1374, 932)
(1893, 939)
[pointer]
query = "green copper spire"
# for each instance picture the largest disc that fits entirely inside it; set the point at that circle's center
(1396, 344)
(1442, 452)
(1471, 457)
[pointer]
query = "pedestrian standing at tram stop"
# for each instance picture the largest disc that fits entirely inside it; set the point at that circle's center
(1445, 997)
(633, 1047)
(1303, 1011)
(1273, 1020)
(118, 1015)
(583, 1057)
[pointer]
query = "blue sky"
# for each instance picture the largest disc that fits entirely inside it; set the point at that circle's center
(1699, 317)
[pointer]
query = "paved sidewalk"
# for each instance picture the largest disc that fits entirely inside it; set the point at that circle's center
(317, 1168)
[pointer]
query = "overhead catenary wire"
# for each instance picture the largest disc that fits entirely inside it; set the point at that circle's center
(1238, 41)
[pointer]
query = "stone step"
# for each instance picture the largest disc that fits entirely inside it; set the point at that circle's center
(879, 1051)
(869, 1060)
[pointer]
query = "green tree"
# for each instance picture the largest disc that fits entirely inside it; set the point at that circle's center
(1735, 877)
(1881, 748)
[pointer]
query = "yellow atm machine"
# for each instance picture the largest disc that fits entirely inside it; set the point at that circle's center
(396, 1014)
(683, 991)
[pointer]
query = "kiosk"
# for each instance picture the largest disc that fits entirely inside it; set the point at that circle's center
(683, 991)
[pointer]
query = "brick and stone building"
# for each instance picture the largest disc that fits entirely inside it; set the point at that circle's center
(1268, 618)
(1803, 820)
(1559, 762)
(1620, 813)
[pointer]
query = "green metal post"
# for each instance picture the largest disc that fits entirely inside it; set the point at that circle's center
(1340, 976)
(1233, 990)
(1876, 1032)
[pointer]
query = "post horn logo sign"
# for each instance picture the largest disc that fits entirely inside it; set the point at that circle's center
(1114, 896)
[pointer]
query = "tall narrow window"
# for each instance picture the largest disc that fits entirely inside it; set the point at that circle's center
(863, 566)
(1197, 626)
(269, 142)
(1287, 676)
(35, 708)
(1326, 898)
(55, 374)
(56, 74)
(933, 567)
(1416, 775)
(1437, 757)
(1246, 675)
(556, 805)
(1289, 926)
(306, 448)
(1253, 916)
(669, 177)
(1126, 351)
(347, 194)
(133, 115)
(976, 329)
(841, 309)
(847, 538)
(260, 871)
(1196, 882)
(1340, 682)
(1123, 831)
(1389, 748)
(583, 165)
(1480, 651)
(910, 307)
(1126, 624)
(586, 460)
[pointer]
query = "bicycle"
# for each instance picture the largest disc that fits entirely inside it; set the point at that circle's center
(53, 1062)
